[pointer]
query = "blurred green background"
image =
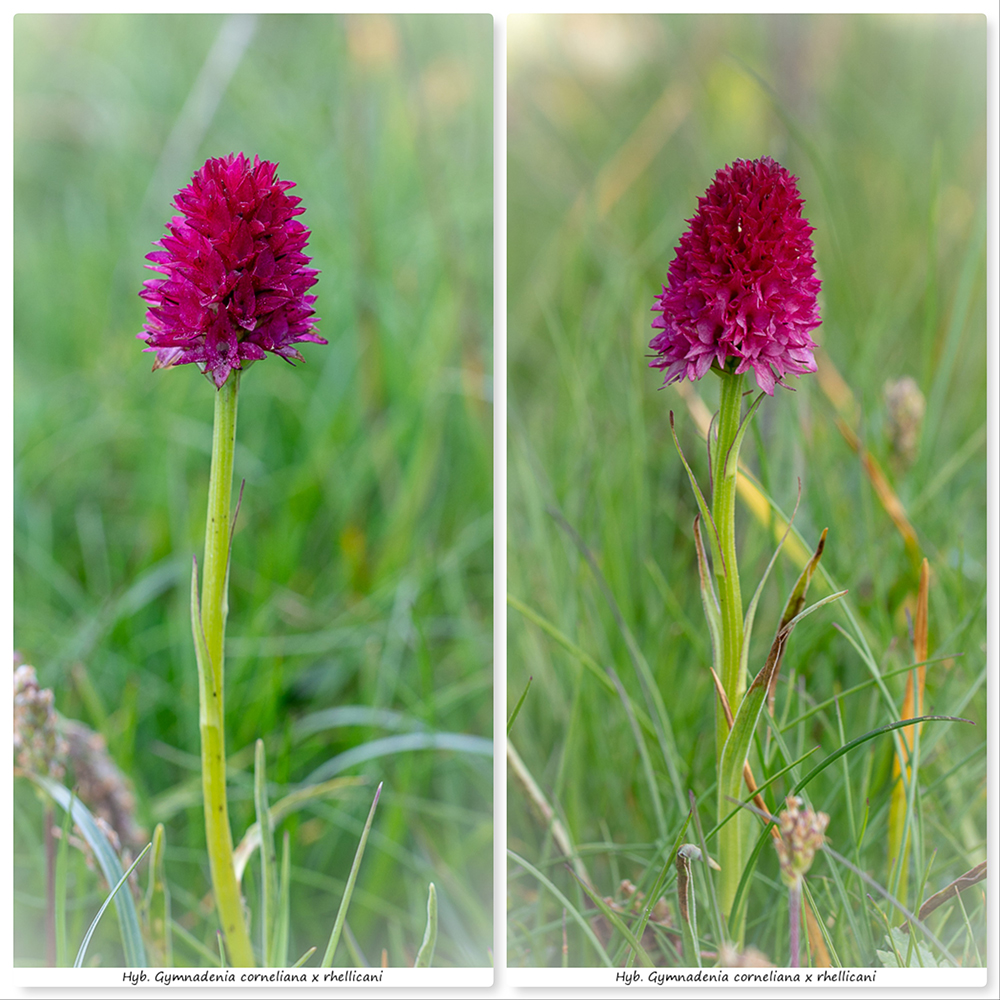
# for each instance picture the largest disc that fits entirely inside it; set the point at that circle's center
(362, 560)
(617, 124)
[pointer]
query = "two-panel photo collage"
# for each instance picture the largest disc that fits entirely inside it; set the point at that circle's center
(499, 503)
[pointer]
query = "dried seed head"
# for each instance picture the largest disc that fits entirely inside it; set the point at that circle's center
(38, 746)
(802, 835)
(905, 406)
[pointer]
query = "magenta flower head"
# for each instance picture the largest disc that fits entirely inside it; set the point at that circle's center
(742, 284)
(236, 277)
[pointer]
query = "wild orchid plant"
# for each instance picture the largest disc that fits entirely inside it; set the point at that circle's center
(236, 287)
(741, 296)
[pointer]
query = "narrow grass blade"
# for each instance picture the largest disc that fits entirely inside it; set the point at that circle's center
(517, 707)
(62, 863)
(128, 919)
(819, 956)
(426, 954)
(687, 906)
(732, 456)
(902, 724)
(567, 905)
(748, 777)
(901, 803)
(389, 746)
(268, 859)
(82, 953)
(889, 897)
(182, 934)
(357, 955)
(616, 921)
(284, 807)
(331, 947)
(720, 926)
(157, 905)
(713, 536)
(305, 958)
(548, 815)
(709, 599)
(647, 762)
(755, 600)
(963, 882)
(279, 950)
(650, 689)
(580, 655)
(734, 756)
(794, 606)
(654, 893)
(737, 745)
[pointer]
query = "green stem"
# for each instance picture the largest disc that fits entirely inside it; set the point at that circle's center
(214, 609)
(727, 573)
(725, 462)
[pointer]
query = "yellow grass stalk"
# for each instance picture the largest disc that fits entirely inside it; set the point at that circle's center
(839, 393)
(913, 705)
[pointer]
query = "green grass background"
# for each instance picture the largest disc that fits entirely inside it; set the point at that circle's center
(362, 561)
(883, 120)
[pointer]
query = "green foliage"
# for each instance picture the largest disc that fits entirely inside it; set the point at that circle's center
(426, 954)
(111, 868)
(902, 953)
(617, 125)
(362, 557)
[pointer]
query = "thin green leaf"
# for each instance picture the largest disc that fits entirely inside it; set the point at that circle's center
(650, 688)
(755, 600)
(517, 707)
(305, 958)
(331, 947)
(827, 761)
(720, 926)
(128, 919)
(82, 953)
(183, 934)
(794, 607)
(654, 893)
(709, 599)
(687, 905)
(647, 762)
(282, 923)
(157, 905)
(737, 744)
(268, 859)
(426, 954)
(580, 655)
(390, 746)
(284, 807)
(615, 920)
(733, 455)
(713, 536)
(353, 948)
(567, 905)
(62, 864)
